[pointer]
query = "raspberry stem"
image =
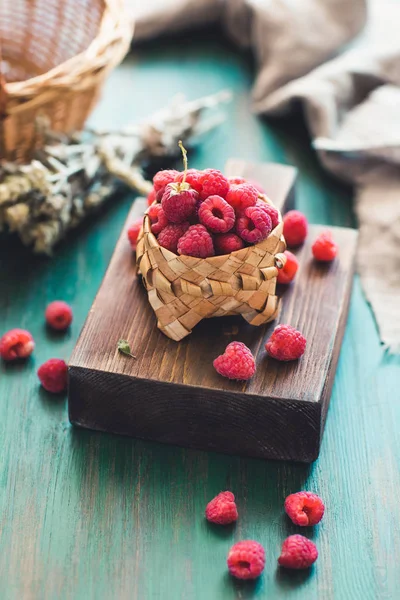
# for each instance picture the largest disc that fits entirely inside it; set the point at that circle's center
(185, 160)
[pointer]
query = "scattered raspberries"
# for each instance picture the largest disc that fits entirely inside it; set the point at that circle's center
(15, 344)
(170, 235)
(216, 214)
(286, 343)
(242, 196)
(246, 560)
(324, 248)
(225, 243)
(133, 233)
(286, 275)
(208, 198)
(295, 228)
(58, 315)
(222, 509)
(304, 508)
(254, 225)
(298, 553)
(53, 375)
(196, 242)
(237, 362)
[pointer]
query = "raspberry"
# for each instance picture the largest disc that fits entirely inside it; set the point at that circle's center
(286, 343)
(254, 225)
(242, 196)
(295, 228)
(270, 210)
(157, 218)
(151, 196)
(298, 553)
(236, 180)
(169, 236)
(216, 214)
(304, 508)
(53, 375)
(246, 560)
(324, 248)
(225, 243)
(237, 362)
(258, 186)
(193, 178)
(196, 242)
(179, 202)
(133, 233)
(16, 343)
(213, 183)
(286, 275)
(163, 178)
(222, 509)
(58, 315)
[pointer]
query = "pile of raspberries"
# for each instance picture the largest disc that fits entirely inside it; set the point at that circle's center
(203, 213)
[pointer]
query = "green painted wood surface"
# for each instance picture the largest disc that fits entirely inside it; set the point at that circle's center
(86, 515)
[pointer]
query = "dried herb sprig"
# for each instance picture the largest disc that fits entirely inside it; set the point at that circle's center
(71, 176)
(124, 347)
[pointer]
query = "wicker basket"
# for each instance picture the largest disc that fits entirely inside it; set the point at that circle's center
(55, 55)
(183, 290)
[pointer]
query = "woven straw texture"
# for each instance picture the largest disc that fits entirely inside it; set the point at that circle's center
(183, 290)
(55, 55)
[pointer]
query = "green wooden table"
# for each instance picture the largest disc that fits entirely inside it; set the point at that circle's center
(87, 515)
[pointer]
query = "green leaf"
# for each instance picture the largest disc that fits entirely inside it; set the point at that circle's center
(123, 346)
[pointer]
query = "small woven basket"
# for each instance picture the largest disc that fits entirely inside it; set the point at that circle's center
(54, 56)
(183, 290)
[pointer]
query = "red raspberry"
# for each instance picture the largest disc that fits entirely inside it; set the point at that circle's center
(133, 233)
(53, 375)
(324, 248)
(213, 183)
(237, 362)
(254, 225)
(157, 218)
(286, 343)
(270, 210)
(242, 196)
(196, 242)
(257, 185)
(225, 243)
(193, 178)
(151, 196)
(163, 178)
(222, 509)
(298, 553)
(58, 315)
(295, 228)
(304, 508)
(246, 560)
(216, 214)
(236, 180)
(179, 202)
(16, 343)
(169, 236)
(286, 275)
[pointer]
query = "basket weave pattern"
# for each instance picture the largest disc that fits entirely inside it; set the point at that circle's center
(54, 56)
(183, 290)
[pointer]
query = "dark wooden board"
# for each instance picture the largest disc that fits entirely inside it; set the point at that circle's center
(172, 393)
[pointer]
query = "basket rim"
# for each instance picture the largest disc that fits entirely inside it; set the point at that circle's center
(115, 25)
(216, 258)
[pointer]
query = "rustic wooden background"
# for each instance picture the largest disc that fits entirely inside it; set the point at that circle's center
(86, 515)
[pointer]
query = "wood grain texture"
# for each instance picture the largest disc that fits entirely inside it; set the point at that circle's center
(90, 516)
(173, 394)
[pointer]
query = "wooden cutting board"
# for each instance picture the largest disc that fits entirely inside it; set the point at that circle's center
(171, 392)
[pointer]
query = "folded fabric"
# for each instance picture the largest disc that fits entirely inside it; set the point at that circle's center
(350, 98)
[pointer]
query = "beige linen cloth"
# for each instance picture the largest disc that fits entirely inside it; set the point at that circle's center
(340, 59)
